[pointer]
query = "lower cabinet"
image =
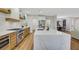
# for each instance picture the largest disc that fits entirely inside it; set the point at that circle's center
(12, 42)
(8, 42)
(26, 31)
(5, 47)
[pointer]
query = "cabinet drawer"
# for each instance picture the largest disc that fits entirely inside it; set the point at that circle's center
(3, 36)
(13, 34)
(13, 38)
(26, 31)
(13, 41)
(6, 47)
(12, 46)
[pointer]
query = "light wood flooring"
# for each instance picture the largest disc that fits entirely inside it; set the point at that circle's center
(74, 44)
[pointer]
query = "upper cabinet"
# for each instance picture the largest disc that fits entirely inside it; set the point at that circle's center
(5, 10)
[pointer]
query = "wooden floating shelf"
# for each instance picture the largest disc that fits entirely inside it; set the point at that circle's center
(5, 10)
(12, 20)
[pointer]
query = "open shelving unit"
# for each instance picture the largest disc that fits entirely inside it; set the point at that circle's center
(5, 10)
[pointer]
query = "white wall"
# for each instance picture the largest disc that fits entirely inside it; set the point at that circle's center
(14, 14)
(76, 24)
(32, 22)
(70, 23)
(53, 20)
(2, 21)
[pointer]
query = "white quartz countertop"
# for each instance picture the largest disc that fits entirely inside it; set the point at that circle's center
(51, 40)
(53, 32)
(4, 32)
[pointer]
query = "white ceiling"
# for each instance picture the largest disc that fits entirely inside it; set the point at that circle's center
(52, 11)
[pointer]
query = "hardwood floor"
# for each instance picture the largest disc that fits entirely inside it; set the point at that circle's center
(74, 44)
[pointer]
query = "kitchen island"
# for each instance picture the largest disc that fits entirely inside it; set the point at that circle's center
(51, 40)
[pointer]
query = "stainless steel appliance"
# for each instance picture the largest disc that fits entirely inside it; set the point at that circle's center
(19, 32)
(41, 24)
(4, 41)
(19, 36)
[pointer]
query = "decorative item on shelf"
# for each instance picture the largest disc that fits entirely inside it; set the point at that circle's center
(5, 10)
(12, 20)
(21, 17)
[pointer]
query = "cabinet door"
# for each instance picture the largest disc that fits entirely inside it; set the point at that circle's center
(26, 31)
(13, 37)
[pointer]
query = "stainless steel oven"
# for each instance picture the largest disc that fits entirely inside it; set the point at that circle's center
(19, 36)
(4, 41)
